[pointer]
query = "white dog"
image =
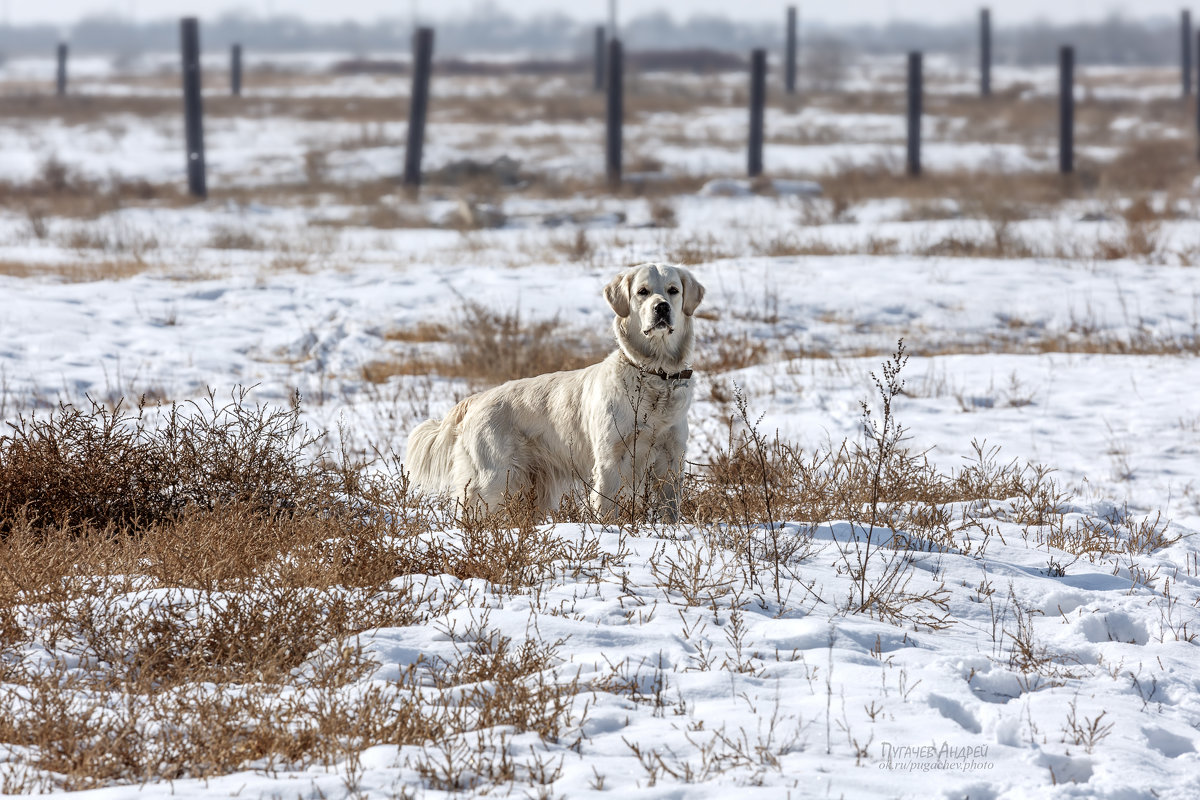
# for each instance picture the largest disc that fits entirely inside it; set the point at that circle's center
(619, 427)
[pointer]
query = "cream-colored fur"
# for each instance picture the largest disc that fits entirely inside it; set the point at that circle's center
(616, 429)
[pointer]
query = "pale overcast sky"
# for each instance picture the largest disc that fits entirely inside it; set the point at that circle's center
(61, 11)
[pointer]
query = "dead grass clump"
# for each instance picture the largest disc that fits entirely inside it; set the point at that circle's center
(423, 331)
(58, 190)
(78, 271)
(383, 370)
(114, 468)
(499, 346)
(491, 347)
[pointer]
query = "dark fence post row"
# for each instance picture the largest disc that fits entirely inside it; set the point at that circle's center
(418, 106)
(914, 113)
(609, 70)
(758, 101)
(614, 111)
(985, 52)
(789, 63)
(598, 60)
(193, 111)
(1066, 110)
(235, 70)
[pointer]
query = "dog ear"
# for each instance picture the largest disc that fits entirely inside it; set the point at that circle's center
(617, 294)
(693, 292)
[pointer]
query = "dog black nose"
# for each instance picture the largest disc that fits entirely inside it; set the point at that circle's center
(663, 309)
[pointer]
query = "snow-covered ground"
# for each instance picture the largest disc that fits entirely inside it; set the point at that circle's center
(1085, 365)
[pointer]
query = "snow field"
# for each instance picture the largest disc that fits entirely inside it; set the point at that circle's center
(1048, 667)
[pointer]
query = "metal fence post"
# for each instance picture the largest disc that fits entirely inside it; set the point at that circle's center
(789, 64)
(193, 110)
(615, 111)
(985, 52)
(1185, 50)
(758, 100)
(598, 60)
(914, 113)
(1066, 109)
(418, 106)
(62, 69)
(235, 70)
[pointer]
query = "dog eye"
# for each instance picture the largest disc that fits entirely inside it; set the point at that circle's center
(642, 292)
(672, 290)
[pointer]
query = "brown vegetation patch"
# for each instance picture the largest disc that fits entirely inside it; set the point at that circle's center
(490, 347)
(423, 331)
(187, 575)
(77, 271)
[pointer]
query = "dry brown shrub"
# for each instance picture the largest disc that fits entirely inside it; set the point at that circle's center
(499, 346)
(491, 347)
(100, 467)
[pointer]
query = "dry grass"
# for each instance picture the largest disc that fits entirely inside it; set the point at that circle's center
(59, 191)
(203, 574)
(423, 331)
(78, 271)
(113, 468)
(490, 347)
(203, 579)
(486, 347)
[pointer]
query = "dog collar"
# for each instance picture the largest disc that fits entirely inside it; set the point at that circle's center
(682, 375)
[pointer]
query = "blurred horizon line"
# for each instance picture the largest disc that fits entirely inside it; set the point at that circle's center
(1115, 39)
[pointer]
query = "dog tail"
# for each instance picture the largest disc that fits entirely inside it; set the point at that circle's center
(430, 456)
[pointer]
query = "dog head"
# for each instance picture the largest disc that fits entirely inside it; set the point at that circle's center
(654, 304)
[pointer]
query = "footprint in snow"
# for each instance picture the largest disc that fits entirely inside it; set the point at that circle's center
(1171, 745)
(1115, 626)
(954, 711)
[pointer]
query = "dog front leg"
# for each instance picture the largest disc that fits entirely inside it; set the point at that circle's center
(667, 475)
(606, 484)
